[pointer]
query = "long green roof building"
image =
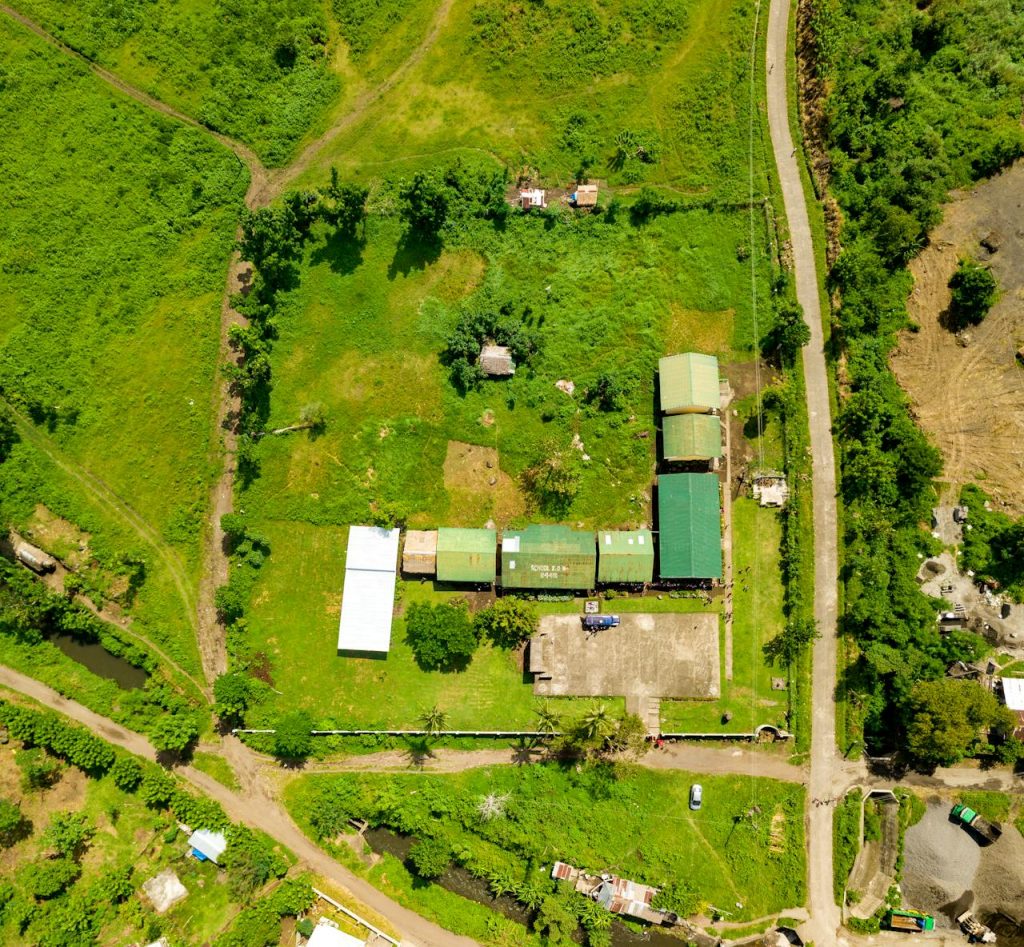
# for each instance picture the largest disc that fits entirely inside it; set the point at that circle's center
(466, 555)
(687, 437)
(548, 557)
(689, 526)
(625, 556)
(689, 383)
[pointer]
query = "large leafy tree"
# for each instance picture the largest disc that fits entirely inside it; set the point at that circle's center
(508, 621)
(950, 719)
(293, 739)
(974, 291)
(442, 636)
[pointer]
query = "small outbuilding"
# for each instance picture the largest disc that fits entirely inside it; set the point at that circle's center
(1013, 692)
(691, 437)
(689, 526)
(625, 556)
(467, 555)
(532, 197)
(207, 845)
(368, 598)
(419, 554)
(585, 195)
(548, 557)
(327, 934)
(496, 361)
(689, 384)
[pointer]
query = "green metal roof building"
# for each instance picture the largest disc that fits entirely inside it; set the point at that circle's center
(625, 556)
(691, 437)
(689, 526)
(466, 555)
(548, 557)
(689, 383)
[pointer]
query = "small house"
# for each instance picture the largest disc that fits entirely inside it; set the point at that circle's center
(621, 896)
(467, 555)
(625, 557)
(548, 557)
(419, 555)
(585, 195)
(691, 437)
(689, 384)
(533, 197)
(207, 845)
(496, 361)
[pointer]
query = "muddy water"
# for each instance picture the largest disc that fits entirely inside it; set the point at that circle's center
(459, 881)
(101, 662)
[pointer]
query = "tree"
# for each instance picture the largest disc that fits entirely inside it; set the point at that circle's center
(231, 693)
(424, 205)
(507, 622)
(114, 886)
(8, 435)
(126, 773)
(949, 719)
(789, 334)
(271, 241)
(343, 206)
(250, 861)
(596, 724)
(68, 833)
(974, 291)
(48, 877)
(547, 718)
(555, 480)
(629, 736)
(173, 733)
(790, 643)
(430, 857)
(13, 825)
(441, 636)
(434, 720)
(293, 739)
(39, 770)
(556, 919)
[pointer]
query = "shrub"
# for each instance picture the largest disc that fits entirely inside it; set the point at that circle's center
(974, 291)
(507, 622)
(293, 739)
(126, 773)
(173, 732)
(13, 825)
(49, 877)
(68, 833)
(430, 857)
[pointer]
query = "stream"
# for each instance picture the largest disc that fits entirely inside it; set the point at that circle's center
(459, 881)
(92, 655)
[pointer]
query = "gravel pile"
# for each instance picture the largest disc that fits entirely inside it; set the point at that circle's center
(941, 861)
(999, 883)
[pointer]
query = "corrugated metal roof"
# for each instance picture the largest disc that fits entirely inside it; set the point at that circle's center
(368, 599)
(210, 844)
(625, 556)
(689, 382)
(691, 437)
(466, 555)
(548, 557)
(1013, 692)
(690, 526)
(325, 935)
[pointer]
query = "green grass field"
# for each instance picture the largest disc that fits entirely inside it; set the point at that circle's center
(115, 228)
(747, 839)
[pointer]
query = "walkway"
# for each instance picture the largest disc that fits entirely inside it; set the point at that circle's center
(825, 918)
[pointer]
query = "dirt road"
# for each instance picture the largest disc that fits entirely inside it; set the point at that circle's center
(825, 917)
(251, 806)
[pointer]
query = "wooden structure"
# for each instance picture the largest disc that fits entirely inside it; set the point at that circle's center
(419, 555)
(585, 195)
(496, 361)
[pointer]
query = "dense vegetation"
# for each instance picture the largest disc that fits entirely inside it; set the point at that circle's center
(507, 825)
(921, 99)
(993, 547)
(76, 880)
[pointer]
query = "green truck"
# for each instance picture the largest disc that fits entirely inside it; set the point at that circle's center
(981, 827)
(910, 922)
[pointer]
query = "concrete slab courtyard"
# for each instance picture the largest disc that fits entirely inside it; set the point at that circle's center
(663, 655)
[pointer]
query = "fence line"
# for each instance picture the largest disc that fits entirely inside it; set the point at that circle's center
(777, 732)
(355, 917)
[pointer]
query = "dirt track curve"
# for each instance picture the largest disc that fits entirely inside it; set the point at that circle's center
(825, 918)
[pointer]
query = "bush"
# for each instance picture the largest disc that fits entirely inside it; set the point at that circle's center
(430, 857)
(49, 877)
(293, 739)
(173, 733)
(68, 833)
(13, 825)
(974, 291)
(126, 773)
(442, 637)
(507, 622)
(38, 770)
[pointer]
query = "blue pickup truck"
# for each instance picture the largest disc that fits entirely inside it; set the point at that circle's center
(597, 622)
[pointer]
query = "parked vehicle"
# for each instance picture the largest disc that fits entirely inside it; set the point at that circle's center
(910, 922)
(696, 796)
(597, 622)
(975, 930)
(968, 818)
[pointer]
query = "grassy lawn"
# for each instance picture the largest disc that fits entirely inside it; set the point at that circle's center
(747, 838)
(110, 311)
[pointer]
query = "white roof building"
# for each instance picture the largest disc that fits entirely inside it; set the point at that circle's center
(326, 934)
(368, 599)
(1013, 692)
(210, 845)
(532, 197)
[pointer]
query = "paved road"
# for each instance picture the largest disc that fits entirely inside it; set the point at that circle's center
(254, 807)
(825, 917)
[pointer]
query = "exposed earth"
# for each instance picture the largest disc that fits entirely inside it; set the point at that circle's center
(969, 398)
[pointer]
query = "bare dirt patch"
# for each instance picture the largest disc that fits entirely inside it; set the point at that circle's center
(969, 399)
(478, 487)
(59, 537)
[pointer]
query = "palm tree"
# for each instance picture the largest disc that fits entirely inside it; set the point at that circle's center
(596, 723)
(434, 720)
(547, 720)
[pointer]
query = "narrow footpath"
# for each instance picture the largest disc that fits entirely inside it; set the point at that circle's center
(825, 918)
